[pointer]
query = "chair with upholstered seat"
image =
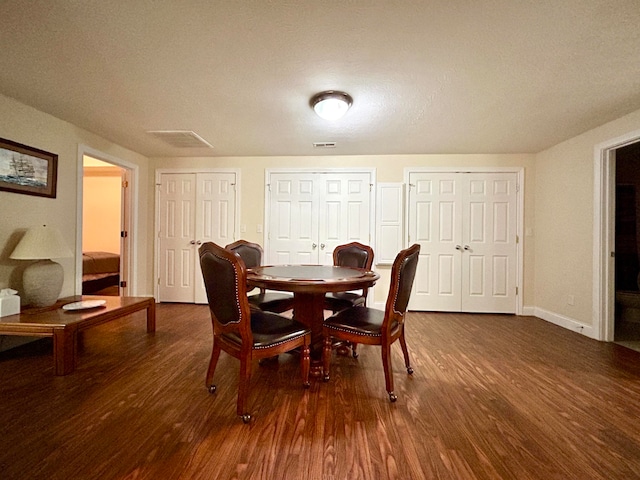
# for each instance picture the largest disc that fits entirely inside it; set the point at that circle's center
(251, 254)
(376, 327)
(242, 332)
(356, 255)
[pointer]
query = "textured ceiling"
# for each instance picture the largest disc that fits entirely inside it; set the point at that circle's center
(458, 76)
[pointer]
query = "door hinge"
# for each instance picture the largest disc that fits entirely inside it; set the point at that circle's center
(269, 187)
(613, 254)
(517, 239)
(124, 234)
(123, 284)
(517, 187)
(125, 184)
(371, 187)
(516, 291)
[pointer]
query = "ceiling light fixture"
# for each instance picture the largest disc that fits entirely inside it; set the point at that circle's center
(331, 105)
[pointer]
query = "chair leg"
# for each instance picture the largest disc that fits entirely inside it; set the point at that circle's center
(305, 365)
(326, 357)
(405, 351)
(354, 354)
(215, 355)
(243, 389)
(388, 372)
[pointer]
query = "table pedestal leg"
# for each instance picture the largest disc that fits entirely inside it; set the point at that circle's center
(309, 310)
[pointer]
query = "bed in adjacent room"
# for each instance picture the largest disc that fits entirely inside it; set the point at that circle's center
(100, 270)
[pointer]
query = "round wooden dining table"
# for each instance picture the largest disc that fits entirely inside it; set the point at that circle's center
(309, 284)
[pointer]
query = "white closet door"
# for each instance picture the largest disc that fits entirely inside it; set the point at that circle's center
(194, 208)
(489, 255)
(177, 231)
(435, 211)
(311, 213)
(465, 224)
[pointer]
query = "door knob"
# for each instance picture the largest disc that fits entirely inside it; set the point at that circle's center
(198, 242)
(322, 246)
(313, 245)
(458, 247)
(192, 242)
(467, 247)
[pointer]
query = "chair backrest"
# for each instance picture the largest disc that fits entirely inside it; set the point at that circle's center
(353, 254)
(251, 253)
(402, 274)
(225, 281)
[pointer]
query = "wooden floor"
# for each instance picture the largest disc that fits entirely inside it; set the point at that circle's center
(492, 397)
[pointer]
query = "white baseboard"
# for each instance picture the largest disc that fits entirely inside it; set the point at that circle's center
(565, 322)
(555, 318)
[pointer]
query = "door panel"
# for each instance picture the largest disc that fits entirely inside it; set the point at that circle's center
(434, 211)
(215, 204)
(489, 258)
(293, 213)
(177, 210)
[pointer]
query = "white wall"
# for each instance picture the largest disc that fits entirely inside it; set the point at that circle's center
(564, 199)
(28, 126)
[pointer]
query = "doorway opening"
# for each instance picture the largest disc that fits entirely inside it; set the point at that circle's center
(606, 198)
(101, 226)
(106, 224)
(627, 246)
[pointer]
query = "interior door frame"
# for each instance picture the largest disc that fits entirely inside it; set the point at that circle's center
(129, 214)
(519, 171)
(156, 226)
(372, 196)
(604, 204)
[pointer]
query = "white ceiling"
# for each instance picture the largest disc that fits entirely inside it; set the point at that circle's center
(448, 76)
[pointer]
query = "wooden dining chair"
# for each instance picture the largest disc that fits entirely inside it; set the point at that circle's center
(356, 255)
(376, 327)
(245, 333)
(251, 254)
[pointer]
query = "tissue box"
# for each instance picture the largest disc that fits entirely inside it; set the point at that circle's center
(9, 305)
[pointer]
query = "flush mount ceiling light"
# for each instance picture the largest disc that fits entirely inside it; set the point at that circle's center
(331, 105)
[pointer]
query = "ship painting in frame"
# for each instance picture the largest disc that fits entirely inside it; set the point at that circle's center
(27, 170)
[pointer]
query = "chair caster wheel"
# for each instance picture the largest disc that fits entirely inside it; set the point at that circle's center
(392, 397)
(246, 418)
(306, 385)
(325, 378)
(354, 354)
(212, 389)
(410, 370)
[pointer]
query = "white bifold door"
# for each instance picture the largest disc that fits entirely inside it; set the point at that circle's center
(310, 213)
(193, 208)
(466, 225)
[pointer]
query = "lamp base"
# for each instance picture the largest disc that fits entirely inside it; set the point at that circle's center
(42, 283)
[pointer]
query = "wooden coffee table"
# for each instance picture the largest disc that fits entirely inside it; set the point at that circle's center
(64, 325)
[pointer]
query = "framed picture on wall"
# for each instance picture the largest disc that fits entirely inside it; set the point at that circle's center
(27, 170)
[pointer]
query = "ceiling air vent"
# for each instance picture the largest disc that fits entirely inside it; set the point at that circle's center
(324, 144)
(181, 138)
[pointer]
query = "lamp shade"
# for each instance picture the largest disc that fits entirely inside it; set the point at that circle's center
(331, 105)
(41, 242)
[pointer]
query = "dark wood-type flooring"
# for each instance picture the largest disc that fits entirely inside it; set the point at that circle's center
(492, 397)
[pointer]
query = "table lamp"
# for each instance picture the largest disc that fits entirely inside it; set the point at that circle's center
(42, 280)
